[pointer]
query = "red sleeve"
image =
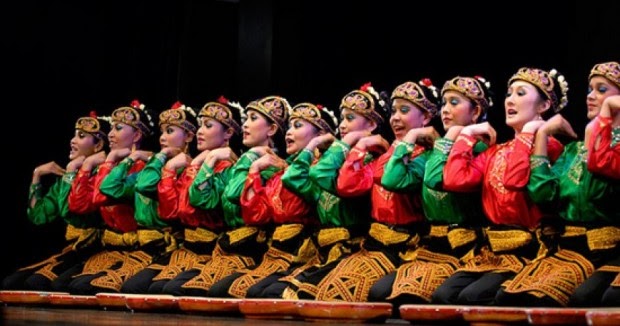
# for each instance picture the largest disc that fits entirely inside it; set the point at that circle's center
(463, 172)
(168, 195)
(517, 172)
(355, 178)
(603, 159)
(100, 199)
(81, 194)
(254, 209)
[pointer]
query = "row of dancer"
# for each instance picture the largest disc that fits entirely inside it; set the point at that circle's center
(456, 219)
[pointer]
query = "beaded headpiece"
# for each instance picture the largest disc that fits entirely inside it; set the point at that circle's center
(552, 84)
(222, 112)
(609, 70)
(317, 115)
(135, 115)
(275, 108)
(91, 125)
(414, 93)
(177, 115)
(476, 89)
(365, 101)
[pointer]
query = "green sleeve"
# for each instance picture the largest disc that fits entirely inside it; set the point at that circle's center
(207, 187)
(117, 184)
(544, 184)
(53, 204)
(401, 173)
(150, 175)
(325, 172)
(232, 191)
(433, 176)
(297, 178)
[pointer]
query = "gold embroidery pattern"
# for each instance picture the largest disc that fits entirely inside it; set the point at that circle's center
(221, 265)
(487, 261)
(555, 276)
(351, 280)
(101, 261)
(330, 236)
(46, 267)
(134, 262)
(507, 240)
(438, 195)
(577, 165)
(327, 201)
(424, 275)
(274, 260)
(498, 170)
(181, 260)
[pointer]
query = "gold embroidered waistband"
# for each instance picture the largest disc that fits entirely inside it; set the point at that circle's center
(74, 233)
(147, 236)
(598, 239)
(241, 233)
(460, 237)
(387, 236)
(287, 231)
(200, 235)
(126, 239)
(456, 236)
(506, 240)
(603, 238)
(330, 236)
(438, 231)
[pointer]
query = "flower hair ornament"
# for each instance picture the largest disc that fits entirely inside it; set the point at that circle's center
(476, 89)
(135, 116)
(275, 108)
(177, 115)
(222, 111)
(315, 114)
(551, 83)
(414, 93)
(365, 101)
(91, 125)
(609, 70)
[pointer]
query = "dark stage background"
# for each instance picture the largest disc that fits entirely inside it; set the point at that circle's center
(64, 58)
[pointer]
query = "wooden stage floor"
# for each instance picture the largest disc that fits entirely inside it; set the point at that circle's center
(28, 315)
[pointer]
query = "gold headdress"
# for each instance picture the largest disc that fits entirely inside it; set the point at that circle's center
(476, 89)
(414, 93)
(275, 108)
(130, 115)
(553, 85)
(609, 70)
(312, 114)
(177, 116)
(365, 101)
(91, 125)
(221, 111)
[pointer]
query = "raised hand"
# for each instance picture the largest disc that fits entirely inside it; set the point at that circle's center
(118, 154)
(354, 136)
(219, 154)
(94, 160)
(374, 143)
(171, 151)
(76, 163)
(49, 168)
(321, 141)
(262, 150)
(181, 160)
(481, 131)
(198, 160)
(557, 125)
(266, 161)
(141, 155)
(423, 136)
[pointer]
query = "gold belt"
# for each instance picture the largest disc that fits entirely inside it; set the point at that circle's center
(506, 240)
(245, 232)
(126, 239)
(330, 236)
(73, 233)
(200, 235)
(606, 237)
(387, 236)
(456, 236)
(287, 231)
